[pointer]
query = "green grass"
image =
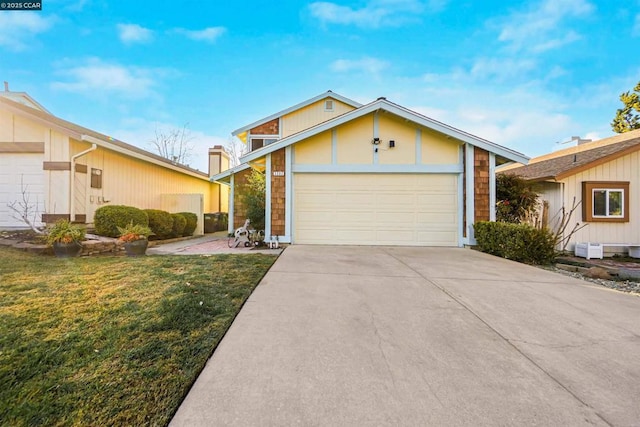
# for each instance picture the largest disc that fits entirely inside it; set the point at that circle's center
(112, 340)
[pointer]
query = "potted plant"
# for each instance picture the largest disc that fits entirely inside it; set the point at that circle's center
(135, 238)
(65, 238)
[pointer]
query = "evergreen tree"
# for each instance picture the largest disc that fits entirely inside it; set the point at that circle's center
(628, 117)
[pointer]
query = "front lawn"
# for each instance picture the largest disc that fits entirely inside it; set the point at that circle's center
(112, 340)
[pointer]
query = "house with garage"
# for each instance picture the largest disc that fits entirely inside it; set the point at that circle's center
(67, 171)
(603, 178)
(339, 172)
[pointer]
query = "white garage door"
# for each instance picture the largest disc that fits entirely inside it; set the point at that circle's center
(14, 169)
(376, 209)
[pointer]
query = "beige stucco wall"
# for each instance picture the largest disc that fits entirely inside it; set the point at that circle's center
(354, 147)
(393, 128)
(314, 150)
(311, 115)
(438, 149)
(354, 141)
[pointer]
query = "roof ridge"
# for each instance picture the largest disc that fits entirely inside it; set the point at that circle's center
(614, 139)
(299, 105)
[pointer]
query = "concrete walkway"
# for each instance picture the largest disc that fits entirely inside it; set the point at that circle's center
(345, 336)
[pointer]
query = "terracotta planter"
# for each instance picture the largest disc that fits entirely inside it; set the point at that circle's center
(136, 248)
(66, 250)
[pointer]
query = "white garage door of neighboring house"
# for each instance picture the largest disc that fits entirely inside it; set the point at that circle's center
(15, 168)
(376, 209)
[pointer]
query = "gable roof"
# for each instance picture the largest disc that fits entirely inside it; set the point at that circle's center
(327, 94)
(84, 134)
(567, 162)
(383, 104)
(23, 98)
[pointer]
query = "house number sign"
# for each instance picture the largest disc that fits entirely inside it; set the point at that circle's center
(278, 173)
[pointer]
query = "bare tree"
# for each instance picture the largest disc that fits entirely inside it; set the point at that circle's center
(564, 229)
(174, 144)
(24, 210)
(235, 148)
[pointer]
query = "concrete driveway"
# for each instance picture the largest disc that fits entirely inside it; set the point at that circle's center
(346, 336)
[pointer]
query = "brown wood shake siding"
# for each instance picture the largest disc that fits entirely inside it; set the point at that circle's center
(481, 184)
(269, 128)
(278, 189)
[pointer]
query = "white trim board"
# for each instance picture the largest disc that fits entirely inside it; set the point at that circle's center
(411, 168)
(383, 104)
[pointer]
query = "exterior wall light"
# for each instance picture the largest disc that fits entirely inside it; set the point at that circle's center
(392, 143)
(375, 141)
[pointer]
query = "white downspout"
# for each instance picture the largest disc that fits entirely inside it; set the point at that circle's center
(72, 186)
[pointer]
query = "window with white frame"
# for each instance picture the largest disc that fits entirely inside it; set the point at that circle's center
(605, 201)
(261, 142)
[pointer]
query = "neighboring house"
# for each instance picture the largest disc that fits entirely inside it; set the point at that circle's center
(603, 177)
(69, 171)
(338, 172)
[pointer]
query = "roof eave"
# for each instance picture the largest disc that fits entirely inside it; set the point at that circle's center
(220, 177)
(395, 109)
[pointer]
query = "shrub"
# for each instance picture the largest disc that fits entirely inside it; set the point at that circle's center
(108, 218)
(192, 223)
(160, 222)
(253, 194)
(518, 242)
(179, 223)
(516, 199)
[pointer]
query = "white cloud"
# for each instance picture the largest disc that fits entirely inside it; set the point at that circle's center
(134, 33)
(210, 34)
(96, 77)
(17, 29)
(365, 65)
(543, 26)
(375, 14)
(636, 26)
(501, 68)
(76, 6)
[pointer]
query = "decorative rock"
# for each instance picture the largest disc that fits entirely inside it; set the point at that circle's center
(598, 273)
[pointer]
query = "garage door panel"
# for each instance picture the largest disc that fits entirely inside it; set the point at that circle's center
(441, 218)
(376, 209)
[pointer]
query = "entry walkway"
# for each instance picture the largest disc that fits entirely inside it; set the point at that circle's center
(342, 336)
(206, 245)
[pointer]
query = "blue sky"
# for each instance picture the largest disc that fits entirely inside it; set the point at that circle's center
(522, 74)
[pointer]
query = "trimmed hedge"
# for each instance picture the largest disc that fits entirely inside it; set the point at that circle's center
(179, 223)
(160, 222)
(518, 242)
(108, 218)
(192, 223)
